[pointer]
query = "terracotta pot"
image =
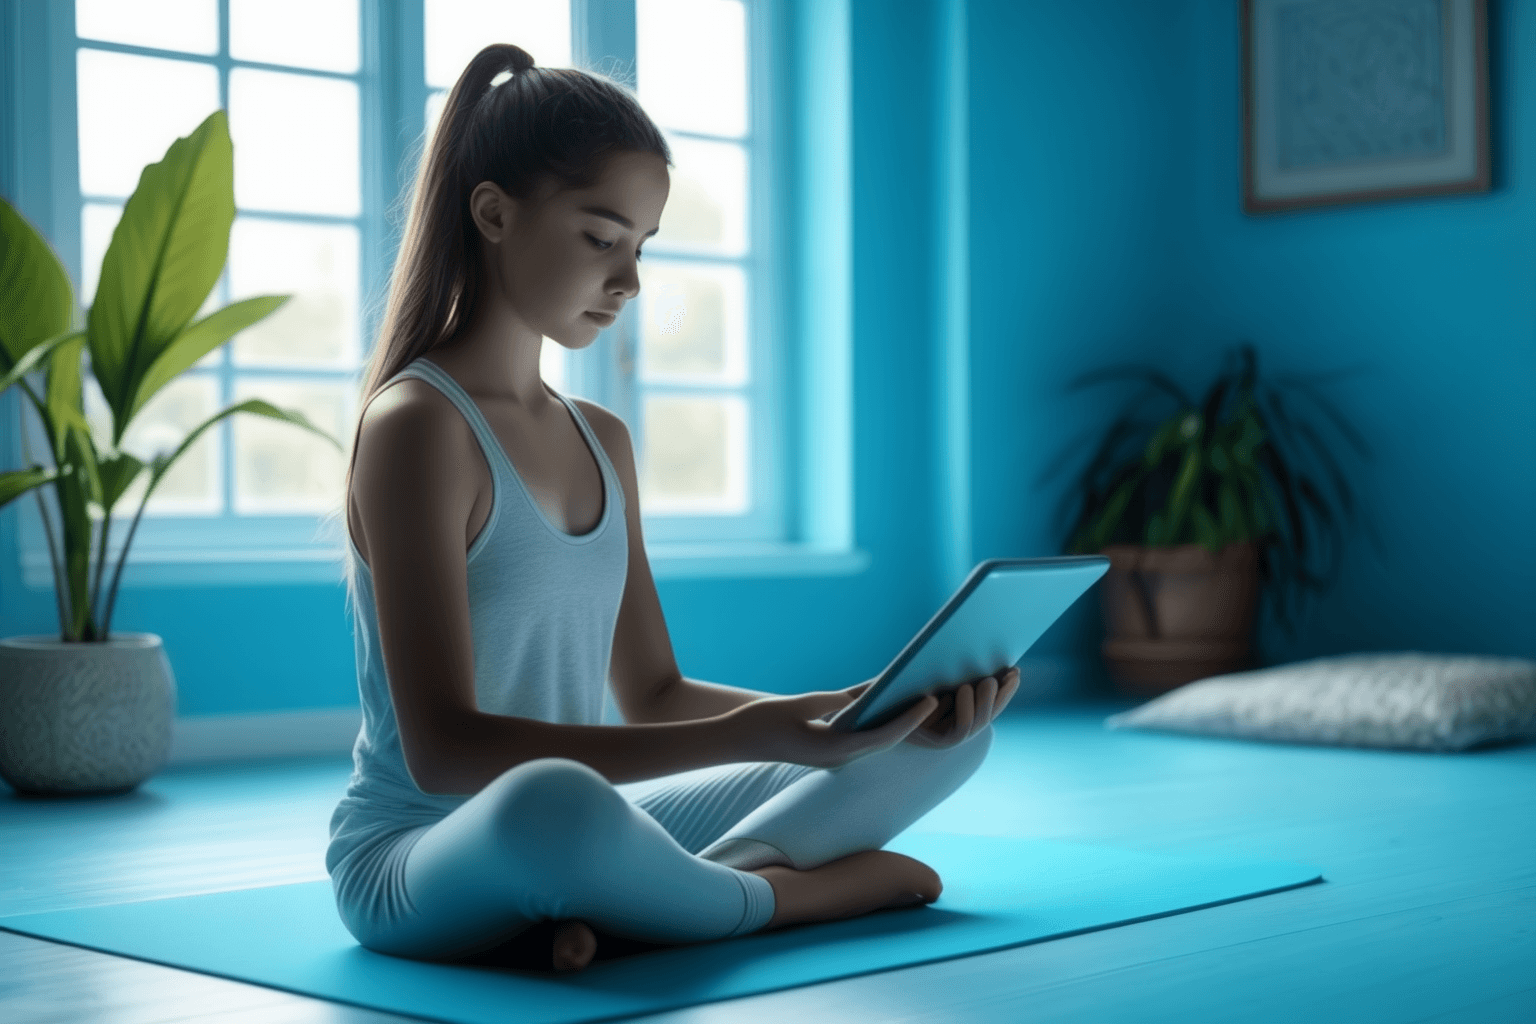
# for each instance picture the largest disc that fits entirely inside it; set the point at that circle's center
(84, 718)
(1177, 614)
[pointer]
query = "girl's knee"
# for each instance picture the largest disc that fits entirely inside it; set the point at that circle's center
(974, 750)
(984, 739)
(552, 798)
(960, 760)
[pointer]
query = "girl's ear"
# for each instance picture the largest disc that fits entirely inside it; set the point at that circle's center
(492, 210)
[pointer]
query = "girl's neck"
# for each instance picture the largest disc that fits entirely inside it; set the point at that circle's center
(496, 356)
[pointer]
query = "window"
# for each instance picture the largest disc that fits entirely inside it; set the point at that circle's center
(325, 122)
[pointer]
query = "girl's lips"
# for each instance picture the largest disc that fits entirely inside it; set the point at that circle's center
(603, 318)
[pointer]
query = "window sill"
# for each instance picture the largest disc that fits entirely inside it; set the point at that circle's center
(739, 560)
(261, 566)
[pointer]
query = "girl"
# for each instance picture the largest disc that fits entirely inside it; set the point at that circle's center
(496, 574)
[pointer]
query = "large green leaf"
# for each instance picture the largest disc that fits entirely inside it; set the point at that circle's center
(253, 405)
(35, 356)
(165, 257)
(18, 482)
(197, 341)
(36, 301)
(118, 471)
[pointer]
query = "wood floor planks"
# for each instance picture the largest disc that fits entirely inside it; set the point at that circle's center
(1428, 912)
(51, 983)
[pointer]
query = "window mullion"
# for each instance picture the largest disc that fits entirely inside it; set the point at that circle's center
(771, 448)
(603, 40)
(603, 37)
(226, 360)
(393, 93)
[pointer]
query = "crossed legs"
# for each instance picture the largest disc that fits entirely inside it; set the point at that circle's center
(673, 860)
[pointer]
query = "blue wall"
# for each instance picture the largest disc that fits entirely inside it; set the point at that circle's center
(1076, 126)
(1438, 298)
(1105, 224)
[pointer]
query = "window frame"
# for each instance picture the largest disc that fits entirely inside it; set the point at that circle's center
(271, 548)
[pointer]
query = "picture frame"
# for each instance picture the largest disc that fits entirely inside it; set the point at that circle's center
(1352, 101)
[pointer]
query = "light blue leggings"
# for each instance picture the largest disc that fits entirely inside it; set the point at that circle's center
(663, 860)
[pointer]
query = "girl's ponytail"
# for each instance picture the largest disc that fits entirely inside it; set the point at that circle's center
(429, 297)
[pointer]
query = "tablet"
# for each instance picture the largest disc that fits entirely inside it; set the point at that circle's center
(1001, 609)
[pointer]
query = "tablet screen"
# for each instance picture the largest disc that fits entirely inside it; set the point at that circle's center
(996, 615)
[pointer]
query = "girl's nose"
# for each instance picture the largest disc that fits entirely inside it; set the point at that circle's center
(627, 281)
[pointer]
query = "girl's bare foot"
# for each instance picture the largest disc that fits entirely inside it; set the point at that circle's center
(573, 947)
(856, 884)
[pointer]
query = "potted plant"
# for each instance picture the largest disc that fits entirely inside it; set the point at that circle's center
(1205, 510)
(90, 711)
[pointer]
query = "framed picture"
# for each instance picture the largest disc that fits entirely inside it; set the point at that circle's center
(1349, 101)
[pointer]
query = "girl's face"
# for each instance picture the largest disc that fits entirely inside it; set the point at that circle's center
(566, 262)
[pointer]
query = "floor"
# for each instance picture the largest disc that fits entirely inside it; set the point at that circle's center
(1428, 912)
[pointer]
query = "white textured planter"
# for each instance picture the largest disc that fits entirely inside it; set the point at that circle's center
(79, 718)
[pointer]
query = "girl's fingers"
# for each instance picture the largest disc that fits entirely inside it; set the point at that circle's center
(898, 728)
(819, 703)
(1005, 695)
(965, 712)
(986, 700)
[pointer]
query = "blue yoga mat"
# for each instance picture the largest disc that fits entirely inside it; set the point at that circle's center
(998, 892)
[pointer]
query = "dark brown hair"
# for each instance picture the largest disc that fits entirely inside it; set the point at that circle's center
(518, 131)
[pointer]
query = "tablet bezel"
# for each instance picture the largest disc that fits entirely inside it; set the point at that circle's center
(843, 720)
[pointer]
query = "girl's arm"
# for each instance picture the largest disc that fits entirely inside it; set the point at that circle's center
(647, 685)
(476, 748)
(683, 700)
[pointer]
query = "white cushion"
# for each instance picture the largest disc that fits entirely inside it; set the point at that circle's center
(1409, 700)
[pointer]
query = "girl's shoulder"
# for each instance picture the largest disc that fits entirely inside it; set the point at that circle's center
(605, 423)
(409, 441)
(417, 402)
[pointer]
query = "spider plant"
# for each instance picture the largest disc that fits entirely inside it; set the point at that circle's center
(165, 257)
(1237, 466)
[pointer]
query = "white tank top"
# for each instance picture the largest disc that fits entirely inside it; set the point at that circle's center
(542, 604)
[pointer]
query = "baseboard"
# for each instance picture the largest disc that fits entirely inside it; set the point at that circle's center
(201, 738)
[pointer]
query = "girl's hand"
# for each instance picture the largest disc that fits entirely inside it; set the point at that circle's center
(966, 710)
(788, 728)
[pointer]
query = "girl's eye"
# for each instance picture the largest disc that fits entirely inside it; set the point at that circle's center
(609, 245)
